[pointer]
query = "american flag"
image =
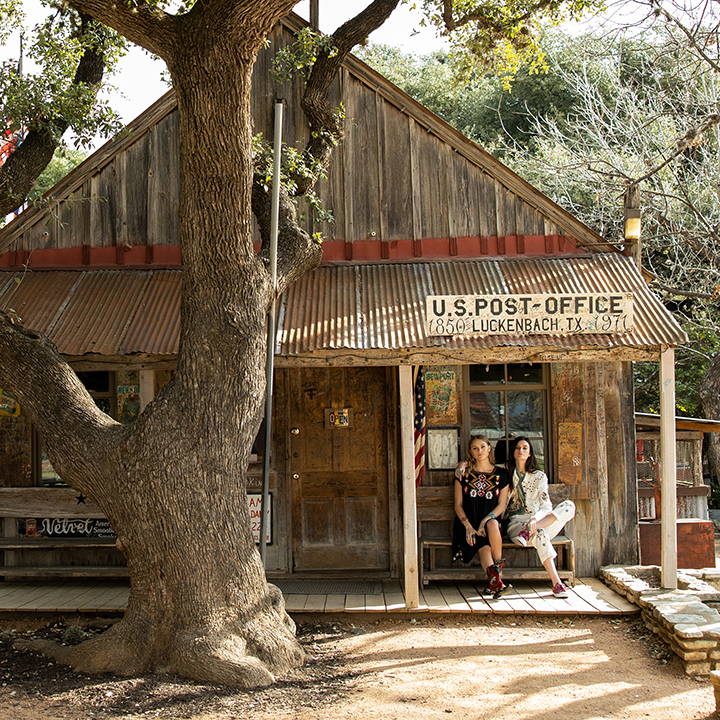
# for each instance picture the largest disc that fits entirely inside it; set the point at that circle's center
(420, 422)
(9, 140)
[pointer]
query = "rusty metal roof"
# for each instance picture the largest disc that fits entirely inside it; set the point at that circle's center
(358, 307)
(368, 307)
(106, 312)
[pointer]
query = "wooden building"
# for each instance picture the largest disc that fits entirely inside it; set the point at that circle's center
(419, 210)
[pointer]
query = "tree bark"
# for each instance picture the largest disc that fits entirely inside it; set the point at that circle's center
(710, 399)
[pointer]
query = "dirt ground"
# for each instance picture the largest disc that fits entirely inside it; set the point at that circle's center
(387, 668)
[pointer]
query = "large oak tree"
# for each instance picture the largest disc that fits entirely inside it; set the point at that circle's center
(172, 483)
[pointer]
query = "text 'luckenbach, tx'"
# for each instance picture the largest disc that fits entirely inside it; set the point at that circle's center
(557, 314)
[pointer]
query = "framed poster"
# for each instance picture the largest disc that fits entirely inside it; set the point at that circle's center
(441, 395)
(442, 448)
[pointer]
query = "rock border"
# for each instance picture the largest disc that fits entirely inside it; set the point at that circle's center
(680, 617)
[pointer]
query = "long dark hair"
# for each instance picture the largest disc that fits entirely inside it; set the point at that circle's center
(531, 464)
(515, 498)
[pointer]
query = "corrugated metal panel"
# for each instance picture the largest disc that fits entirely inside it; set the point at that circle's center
(39, 298)
(322, 311)
(155, 328)
(99, 311)
(358, 307)
(390, 303)
(7, 283)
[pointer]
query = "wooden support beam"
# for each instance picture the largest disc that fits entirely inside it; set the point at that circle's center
(668, 516)
(147, 387)
(407, 443)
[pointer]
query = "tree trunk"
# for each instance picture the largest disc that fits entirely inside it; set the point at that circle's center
(199, 603)
(710, 399)
(173, 484)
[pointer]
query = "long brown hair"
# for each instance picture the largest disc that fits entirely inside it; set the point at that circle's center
(484, 438)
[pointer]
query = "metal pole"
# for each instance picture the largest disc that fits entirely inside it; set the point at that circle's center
(270, 362)
(315, 14)
(668, 510)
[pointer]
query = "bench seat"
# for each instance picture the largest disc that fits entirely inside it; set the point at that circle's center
(566, 567)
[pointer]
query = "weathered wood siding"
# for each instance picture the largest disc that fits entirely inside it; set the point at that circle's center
(393, 177)
(600, 396)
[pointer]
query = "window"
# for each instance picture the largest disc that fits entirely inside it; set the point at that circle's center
(504, 401)
(101, 386)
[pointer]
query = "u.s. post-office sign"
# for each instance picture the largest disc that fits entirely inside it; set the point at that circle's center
(556, 314)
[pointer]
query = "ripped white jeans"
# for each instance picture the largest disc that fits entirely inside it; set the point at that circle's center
(564, 513)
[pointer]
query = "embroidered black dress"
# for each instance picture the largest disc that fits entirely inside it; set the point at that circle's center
(480, 492)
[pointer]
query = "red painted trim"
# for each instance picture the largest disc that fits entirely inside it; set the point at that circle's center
(373, 250)
(166, 255)
(98, 257)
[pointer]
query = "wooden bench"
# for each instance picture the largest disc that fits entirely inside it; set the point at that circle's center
(436, 504)
(51, 503)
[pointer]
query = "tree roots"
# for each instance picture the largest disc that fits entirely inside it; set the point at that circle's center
(242, 653)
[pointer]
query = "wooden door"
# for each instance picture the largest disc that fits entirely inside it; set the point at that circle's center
(338, 475)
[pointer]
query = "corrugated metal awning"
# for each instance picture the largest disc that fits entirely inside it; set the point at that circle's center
(103, 312)
(372, 311)
(371, 307)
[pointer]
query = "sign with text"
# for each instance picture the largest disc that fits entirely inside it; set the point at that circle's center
(557, 314)
(65, 528)
(254, 501)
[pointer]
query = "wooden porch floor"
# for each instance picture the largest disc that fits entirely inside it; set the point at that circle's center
(588, 597)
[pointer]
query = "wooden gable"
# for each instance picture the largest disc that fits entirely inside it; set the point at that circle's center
(403, 184)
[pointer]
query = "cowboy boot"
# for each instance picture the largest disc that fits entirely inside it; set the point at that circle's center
(495, 584)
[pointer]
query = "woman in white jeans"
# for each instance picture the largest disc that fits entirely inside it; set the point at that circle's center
(533, 520)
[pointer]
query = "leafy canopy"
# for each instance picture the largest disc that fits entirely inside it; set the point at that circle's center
(37, 100)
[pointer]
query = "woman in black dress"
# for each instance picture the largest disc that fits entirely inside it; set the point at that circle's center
(481, 495)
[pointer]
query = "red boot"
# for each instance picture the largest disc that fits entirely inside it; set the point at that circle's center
(495, 584)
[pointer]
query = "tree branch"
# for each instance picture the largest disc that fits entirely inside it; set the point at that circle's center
(31, 157)
(77, 435)
(691, 137)
(682, 293)
(690, 37)
(326, 125)
(297, 251)
(484, 18)
(141, 23)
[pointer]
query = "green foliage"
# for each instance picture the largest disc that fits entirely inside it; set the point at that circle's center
(501, 36)
(64, 160)
(294, 164)
(480, 106)
(40, 99)
(12, 16)
(303, 53)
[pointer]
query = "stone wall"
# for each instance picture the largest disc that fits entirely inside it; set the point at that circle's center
(684, 618)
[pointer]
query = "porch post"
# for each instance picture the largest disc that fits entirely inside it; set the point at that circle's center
(407, 443)
(668, 514)
(147, 387)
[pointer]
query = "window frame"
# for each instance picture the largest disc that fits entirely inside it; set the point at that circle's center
(504, 387)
